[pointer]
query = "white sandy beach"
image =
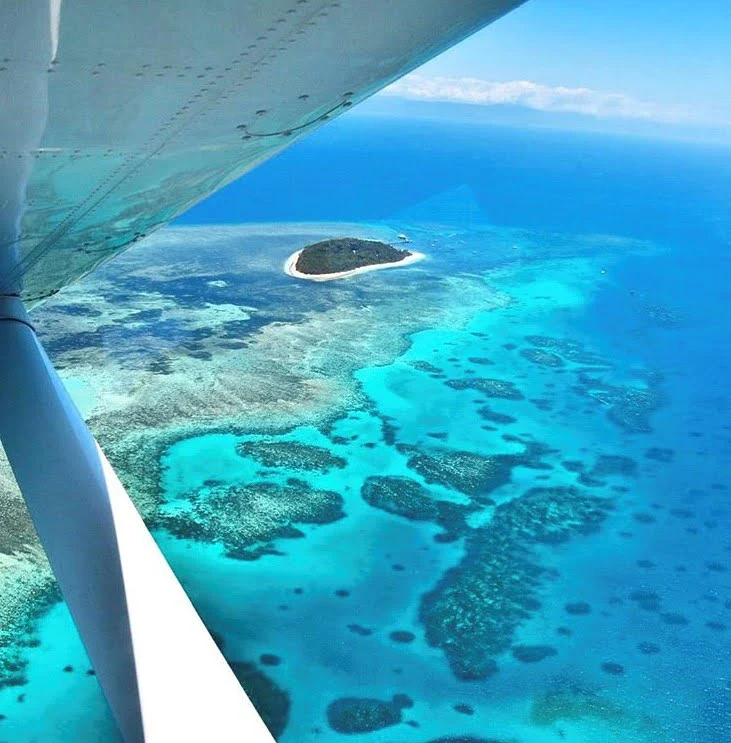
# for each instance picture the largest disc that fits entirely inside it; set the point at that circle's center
(291, 263)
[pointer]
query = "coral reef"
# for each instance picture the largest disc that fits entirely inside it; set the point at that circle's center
(612, 668)
(402, 636)
(660, 454)
(532, 653)
(498, 388)
(569, 701)
(474, 610)
(570, 350)
(629, 406)
(472, 474)
(405, 497)
(271, 702)
(542, 357)
(424, 366)
(291, 454)
(350, 715)
(242, 517)
(578, 608)
(488, 414)
(27, 585)
(607, 465)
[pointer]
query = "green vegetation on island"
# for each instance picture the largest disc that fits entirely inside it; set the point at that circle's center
(346, 254)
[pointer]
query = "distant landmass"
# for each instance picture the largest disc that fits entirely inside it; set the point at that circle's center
(345, 256)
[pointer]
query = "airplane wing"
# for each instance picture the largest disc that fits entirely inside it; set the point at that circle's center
(124, 114)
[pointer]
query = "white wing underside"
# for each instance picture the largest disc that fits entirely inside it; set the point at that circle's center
(117, 116)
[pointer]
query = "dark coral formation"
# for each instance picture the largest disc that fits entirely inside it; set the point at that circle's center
(358, 629)
(350, 715)
(291, 454)
(655, 313)
(578, 608)
(269, 659)
(566, 348)
(632, 407)
(628, 406)
(12, 670)
(405, 497)
(607, 465)
(464, 709)
(573, 465)
(553, 515)
(488, 414)
(673, 618)
(542, 357)
(499, 388)
(243, 517)
(716, 626)
(424, 366)
(16, 528)
(660, 454)
(612, 668)
(271, 702)
(19, 630)
(346, 254)
(473, 474)
(402, 636)
(644, 599)
(532, 653)
(474, 610)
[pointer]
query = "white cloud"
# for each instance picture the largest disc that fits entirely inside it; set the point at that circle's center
(533, 95)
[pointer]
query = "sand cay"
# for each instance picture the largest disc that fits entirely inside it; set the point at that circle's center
(290, 267)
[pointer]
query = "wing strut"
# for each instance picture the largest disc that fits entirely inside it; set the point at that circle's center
(162, 674)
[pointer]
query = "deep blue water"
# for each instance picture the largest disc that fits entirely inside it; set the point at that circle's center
(365, 169)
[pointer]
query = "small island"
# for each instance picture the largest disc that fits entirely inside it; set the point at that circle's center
(346, 256)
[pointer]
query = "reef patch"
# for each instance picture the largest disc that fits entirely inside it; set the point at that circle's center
(291, 454)
(244, 517)
(473, 612)
(351, 715)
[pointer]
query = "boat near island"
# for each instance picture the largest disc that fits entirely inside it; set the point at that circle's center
(342, 257)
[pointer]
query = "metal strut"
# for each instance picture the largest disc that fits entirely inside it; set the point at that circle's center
(162, 674)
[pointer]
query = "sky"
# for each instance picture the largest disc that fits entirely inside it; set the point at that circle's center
(664, 61)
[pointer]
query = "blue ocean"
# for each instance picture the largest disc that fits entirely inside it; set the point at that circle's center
(483, 498)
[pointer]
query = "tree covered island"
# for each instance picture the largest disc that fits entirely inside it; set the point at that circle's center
(343, 256)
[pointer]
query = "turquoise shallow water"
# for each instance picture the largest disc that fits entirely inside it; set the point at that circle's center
(514, 455)
(330, 645)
